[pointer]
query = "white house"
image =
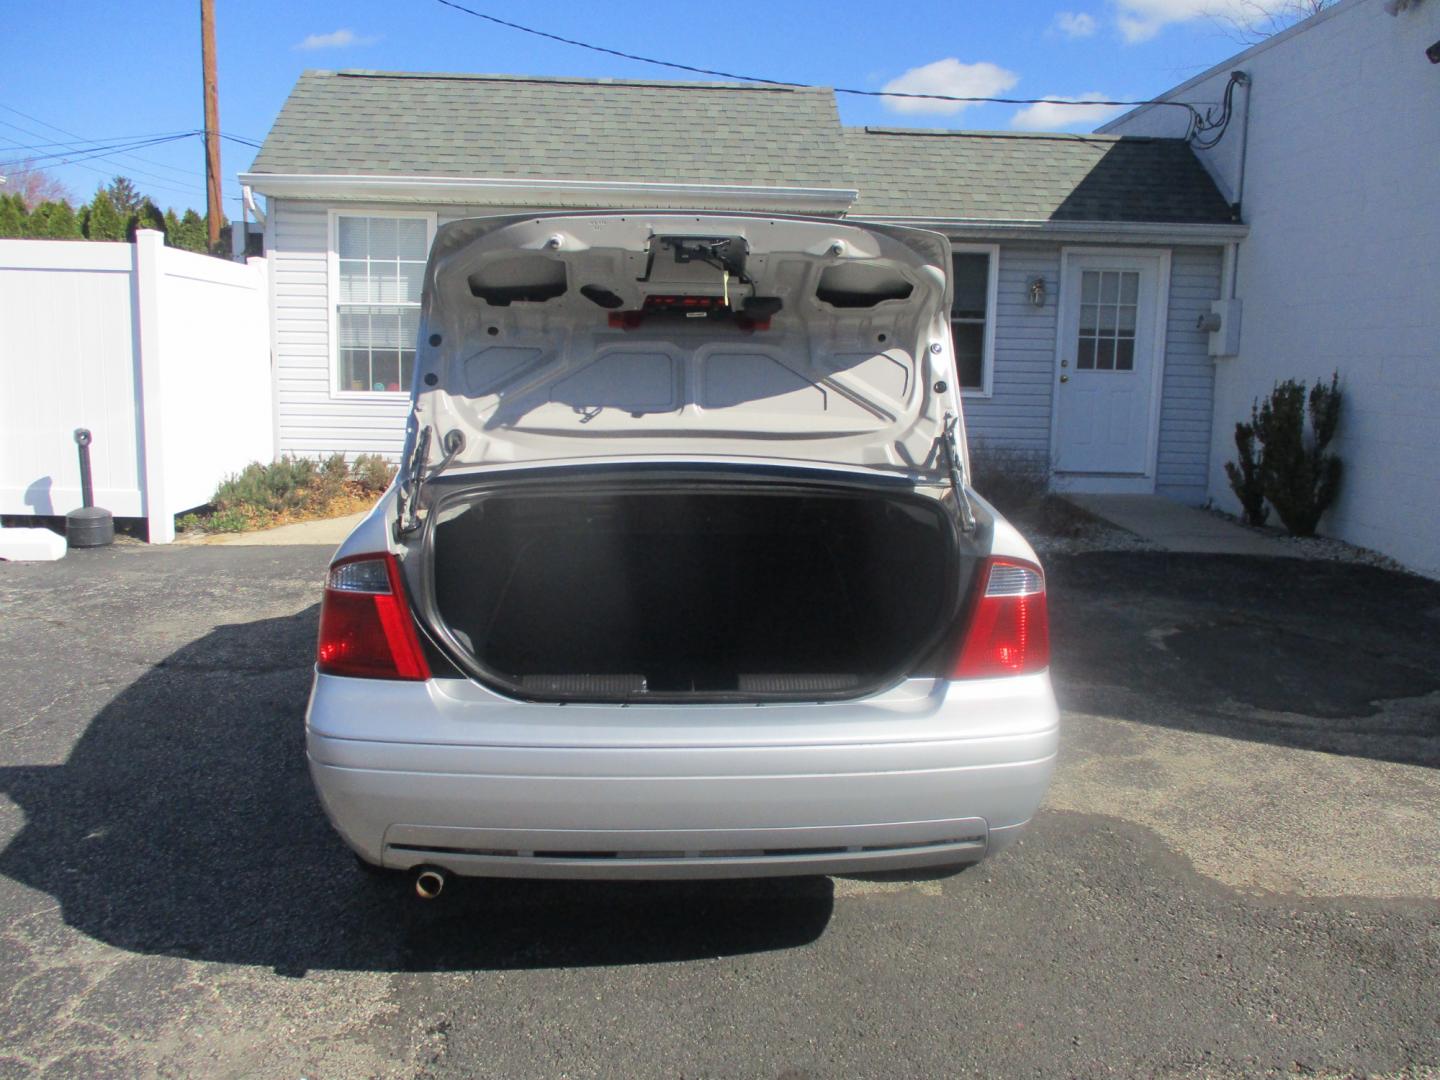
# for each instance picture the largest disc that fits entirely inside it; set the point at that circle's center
(1333, 155)
(1083, 263)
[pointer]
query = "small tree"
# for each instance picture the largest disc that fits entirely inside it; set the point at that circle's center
(125, 195)
(189, 234)
(146, 216)
(1245, 477)
(101, 220)
(33, 184)
(53, 221)
(1297, 472)
(12, 217)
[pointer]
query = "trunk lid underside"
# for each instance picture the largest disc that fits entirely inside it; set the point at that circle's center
(606, 336)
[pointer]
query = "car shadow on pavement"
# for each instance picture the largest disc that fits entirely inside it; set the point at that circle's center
(1308, 654)
(183, 823)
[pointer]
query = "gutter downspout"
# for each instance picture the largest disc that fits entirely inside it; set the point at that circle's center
(1243, 78)
(247, 194)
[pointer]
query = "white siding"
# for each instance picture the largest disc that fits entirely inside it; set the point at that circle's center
(1187, 401)
(1017, 414)
(311, 422)
(1339, 271)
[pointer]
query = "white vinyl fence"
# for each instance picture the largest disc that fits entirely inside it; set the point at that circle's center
(163, 354)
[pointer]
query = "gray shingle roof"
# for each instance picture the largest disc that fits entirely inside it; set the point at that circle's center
(1011, 176)
(513, 127)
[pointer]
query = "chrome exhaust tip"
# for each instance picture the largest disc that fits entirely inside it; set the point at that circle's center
(429, 882)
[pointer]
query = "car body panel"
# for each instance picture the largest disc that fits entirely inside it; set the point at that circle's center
(930, 762)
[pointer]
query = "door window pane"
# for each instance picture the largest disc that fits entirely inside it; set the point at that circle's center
(1108, 308)
(380, 277)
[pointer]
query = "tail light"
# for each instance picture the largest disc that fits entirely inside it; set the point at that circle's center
(1009, 630)
(366, 629)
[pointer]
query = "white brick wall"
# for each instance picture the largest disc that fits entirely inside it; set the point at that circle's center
(1342, 266)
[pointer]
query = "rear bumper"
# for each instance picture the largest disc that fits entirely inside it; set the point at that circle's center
(928, 774)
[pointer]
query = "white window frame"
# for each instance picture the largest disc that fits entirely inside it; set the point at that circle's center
(992, 292)
(332, 293)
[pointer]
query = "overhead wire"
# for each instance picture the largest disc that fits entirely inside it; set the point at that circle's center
(1198, 122)
(65, 131)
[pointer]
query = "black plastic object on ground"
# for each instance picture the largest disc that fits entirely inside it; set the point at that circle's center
(90, 526)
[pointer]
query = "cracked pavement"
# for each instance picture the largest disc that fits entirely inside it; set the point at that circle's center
(1237, 872)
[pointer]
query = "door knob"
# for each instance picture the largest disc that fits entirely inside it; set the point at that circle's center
(1064, 378)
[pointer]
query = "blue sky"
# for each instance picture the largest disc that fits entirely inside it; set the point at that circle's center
(102, 71)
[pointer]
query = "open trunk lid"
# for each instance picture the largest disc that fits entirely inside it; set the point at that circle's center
(602, 337)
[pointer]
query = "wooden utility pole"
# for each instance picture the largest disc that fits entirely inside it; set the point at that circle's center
(214, 203)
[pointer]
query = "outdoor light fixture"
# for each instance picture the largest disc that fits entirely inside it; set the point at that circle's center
(1037, 291)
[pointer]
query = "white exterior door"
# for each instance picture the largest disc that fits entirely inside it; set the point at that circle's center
(1109, 358)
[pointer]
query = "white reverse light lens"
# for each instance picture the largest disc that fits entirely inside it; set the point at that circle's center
(1007, 579)
(365, 576)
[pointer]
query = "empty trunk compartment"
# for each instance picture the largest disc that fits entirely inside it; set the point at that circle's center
(658, 591)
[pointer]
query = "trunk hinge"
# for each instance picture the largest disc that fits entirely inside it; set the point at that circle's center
(949, 449)
(408, 520)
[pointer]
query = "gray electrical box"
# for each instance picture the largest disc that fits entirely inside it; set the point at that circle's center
(1223, 323)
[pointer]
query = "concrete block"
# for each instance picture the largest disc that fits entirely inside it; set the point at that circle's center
(31, 545)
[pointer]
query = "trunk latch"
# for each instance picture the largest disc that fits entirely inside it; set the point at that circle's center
(949, 447)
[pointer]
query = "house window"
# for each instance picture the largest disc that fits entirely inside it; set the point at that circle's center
(380, 265)
(1108, 300)
(970, 317)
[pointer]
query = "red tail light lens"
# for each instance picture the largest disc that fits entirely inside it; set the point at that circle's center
(366, 629)
(1009, 631)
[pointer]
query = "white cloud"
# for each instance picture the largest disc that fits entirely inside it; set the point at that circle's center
(1140, 20)
(951, 77)
(1053, 115)
(337, 39)
(1075, 24)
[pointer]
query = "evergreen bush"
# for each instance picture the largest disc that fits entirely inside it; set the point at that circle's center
(1294, 469)
(1245, 476)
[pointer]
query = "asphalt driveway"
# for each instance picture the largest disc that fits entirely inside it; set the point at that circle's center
(1237, 873)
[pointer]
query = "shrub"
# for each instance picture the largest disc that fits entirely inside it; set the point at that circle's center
(291, 487)
(1298, 474)
(329, 482)
(373, 473)
(1245, 477)
(282, 485)
(1294, 470)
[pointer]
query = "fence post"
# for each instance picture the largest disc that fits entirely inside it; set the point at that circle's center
(149, 251)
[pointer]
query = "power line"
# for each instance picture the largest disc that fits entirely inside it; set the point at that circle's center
(157, 184)
(77, 135)
(90, 154)
(75, 144)
(242, 141)
(155, 178)
(1196, 120)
